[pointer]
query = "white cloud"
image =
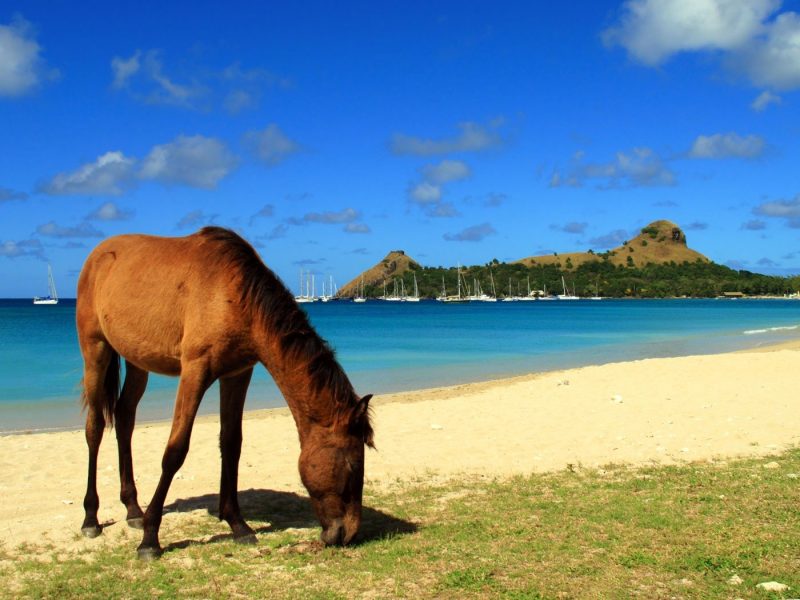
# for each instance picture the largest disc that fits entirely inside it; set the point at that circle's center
(782, 209)
(238, 100)
(641, 167)
(425, 193)
(7, 194)
(727, 145)
(124, 69)
(773, 60)
(12, 249)
(109, 212)
(194, 219)
(82, 230)
(143, 76)
(428, 192)
(357, 228)
(109, 175)
(754, 225)
(752, 43)
(654, 30)
(196, 161)
(271, 146)
(609, 240)
(572, 227)
(21, 66)
(473, 138)
(476, 233)
(764, 99)
(446, 171)
(442, 210)
(346, 215)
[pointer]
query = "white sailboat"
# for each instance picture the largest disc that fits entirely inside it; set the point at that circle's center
(566, 295)
(458, 297)
(360, 297)
(530, 296)
(308, 296)
(415, 297)
(52, 298)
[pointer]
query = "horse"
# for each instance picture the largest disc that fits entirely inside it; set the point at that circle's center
(205, 307)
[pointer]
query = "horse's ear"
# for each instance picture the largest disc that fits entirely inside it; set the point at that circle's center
(361, 415)
(363, 405)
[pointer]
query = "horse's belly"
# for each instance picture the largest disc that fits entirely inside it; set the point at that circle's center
(158, 352)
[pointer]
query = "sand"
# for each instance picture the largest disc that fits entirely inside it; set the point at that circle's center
(653, 411)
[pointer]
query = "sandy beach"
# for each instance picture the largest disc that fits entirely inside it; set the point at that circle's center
(651, 411)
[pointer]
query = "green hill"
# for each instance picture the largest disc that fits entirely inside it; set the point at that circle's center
(656, 263)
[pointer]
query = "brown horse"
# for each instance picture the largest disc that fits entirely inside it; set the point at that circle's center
(205, 307)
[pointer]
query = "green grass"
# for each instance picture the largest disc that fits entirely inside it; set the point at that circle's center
(658, 532)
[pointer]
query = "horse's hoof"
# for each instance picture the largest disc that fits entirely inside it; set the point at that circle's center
(148, 553)
(136, 523)
(91, 531)
(247, 539)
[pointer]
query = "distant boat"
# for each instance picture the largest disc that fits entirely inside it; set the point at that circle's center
(458, 297)
(415, 297)
(52, 298)
(566, 295)
(308, 296)
(360, 297)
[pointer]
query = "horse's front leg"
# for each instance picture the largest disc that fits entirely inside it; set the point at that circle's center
(232, 391)
(125, 416)
(194, 381)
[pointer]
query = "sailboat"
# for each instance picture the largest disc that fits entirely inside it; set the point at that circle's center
(566, 295)
(459, 297)
(52, 298)
(530, 297)
(308, 296)
(415, 297)
(360, 297)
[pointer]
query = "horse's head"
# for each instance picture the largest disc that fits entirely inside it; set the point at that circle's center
(332, 469)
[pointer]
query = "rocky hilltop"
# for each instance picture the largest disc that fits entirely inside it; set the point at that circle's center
(658, 243)
(661, 244)
(393, 265)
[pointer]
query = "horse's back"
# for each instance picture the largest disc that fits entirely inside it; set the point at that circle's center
(149, 296)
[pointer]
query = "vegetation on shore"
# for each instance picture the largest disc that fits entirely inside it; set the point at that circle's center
(656, 263)
(698, 279)
(704, 530)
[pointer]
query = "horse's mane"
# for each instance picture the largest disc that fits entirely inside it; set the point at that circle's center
(271, 302)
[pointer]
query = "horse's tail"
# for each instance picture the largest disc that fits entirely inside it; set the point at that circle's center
(111, 389)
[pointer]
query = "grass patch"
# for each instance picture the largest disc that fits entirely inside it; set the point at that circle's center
(678, 531)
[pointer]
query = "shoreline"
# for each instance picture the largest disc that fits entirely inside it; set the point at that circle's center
(418, 394)
(640, 412)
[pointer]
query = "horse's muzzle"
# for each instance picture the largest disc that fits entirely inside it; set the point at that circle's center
(334, 535)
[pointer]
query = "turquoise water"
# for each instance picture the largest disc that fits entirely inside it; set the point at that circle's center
(388, 347)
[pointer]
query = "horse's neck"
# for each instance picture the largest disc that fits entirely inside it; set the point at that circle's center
(308, 408)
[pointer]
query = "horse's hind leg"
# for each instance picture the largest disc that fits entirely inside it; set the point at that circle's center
(125, 416)
(232, 391)
(97, 356)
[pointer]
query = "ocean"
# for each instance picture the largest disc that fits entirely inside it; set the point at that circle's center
(388, 346)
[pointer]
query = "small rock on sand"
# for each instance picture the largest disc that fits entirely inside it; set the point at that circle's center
(616, 399)
(772, 586)
(436, 426)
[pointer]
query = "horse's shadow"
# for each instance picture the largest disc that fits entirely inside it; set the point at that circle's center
(284, 511)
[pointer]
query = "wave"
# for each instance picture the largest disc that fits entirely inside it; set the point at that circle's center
(767, 330)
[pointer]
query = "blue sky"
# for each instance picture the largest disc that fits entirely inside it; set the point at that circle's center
(330, 133)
